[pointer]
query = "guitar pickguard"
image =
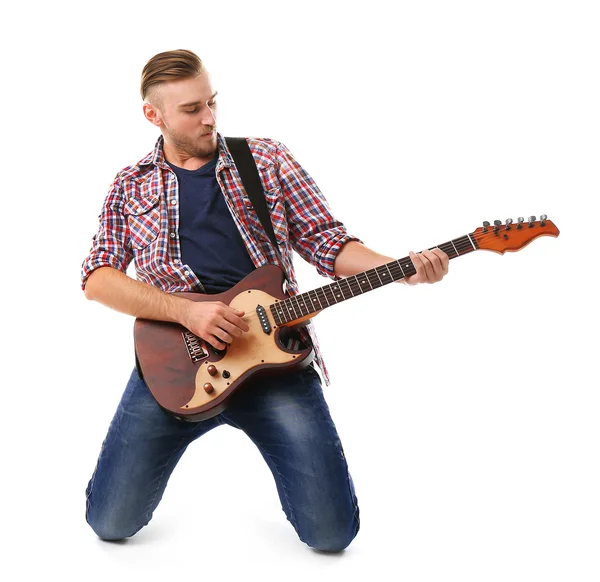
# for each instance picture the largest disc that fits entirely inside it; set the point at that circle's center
(256, 349)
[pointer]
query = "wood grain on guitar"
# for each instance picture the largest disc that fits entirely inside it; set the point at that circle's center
(193, 381)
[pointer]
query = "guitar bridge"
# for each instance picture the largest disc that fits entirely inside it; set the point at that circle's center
(195, 347)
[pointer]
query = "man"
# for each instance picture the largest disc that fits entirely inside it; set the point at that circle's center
(182, 215)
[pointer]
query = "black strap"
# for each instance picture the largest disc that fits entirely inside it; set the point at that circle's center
(242, 156)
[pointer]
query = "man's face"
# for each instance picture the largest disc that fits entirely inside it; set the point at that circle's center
(187, 110)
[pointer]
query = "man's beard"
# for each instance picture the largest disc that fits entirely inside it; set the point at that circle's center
(197, 148)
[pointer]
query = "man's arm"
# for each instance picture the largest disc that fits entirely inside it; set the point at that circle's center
(213, 321)
(354, 257)
(323, 241)
(118, 291)
(315, 234)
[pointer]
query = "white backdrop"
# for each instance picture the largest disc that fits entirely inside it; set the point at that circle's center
(468, 409)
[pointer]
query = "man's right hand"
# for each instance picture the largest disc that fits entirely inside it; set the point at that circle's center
(215, 322)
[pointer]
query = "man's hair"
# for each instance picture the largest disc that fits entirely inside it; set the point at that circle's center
(169, 66)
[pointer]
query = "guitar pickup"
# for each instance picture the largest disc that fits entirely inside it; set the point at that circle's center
(264, 320)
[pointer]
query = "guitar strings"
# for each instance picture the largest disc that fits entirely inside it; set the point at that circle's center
(461, 244)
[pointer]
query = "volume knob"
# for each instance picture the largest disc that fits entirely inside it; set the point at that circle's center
(209, 388)
(212, 370)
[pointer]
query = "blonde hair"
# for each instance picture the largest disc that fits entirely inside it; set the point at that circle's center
(168, 66)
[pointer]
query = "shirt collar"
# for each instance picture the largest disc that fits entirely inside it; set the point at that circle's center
(157, 156)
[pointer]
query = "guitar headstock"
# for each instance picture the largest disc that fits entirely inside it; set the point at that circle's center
(513, 236)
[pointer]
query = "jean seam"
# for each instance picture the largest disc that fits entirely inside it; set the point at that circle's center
(285, 491)
(160, 478)
(333, 433)
(116, 421)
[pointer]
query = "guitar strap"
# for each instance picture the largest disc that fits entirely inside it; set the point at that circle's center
(242, 156)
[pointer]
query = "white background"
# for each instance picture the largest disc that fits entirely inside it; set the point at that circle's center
(468, 410)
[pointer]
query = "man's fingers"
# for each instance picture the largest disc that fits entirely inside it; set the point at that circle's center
(417, 261)
(439, 261)
(217, 343)
(423, 266)
(233, 317)
(222, 335)
(430, 265)
(444, 259)
(224, 327)
(433, 266)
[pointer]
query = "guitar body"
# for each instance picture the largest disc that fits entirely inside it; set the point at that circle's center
(192, 380)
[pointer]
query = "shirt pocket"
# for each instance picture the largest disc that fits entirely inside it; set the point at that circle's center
(143, 219)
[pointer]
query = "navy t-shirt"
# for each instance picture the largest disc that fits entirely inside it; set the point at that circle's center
(210, 242)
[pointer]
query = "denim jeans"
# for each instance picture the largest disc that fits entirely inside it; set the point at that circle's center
(286, 417)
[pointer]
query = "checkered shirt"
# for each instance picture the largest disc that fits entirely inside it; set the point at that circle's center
(139, 222)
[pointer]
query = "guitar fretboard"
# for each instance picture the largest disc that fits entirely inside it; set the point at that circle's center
(305, 304)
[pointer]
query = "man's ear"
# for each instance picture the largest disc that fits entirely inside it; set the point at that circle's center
(152, 114)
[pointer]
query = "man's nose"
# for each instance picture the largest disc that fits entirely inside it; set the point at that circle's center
(208, 117)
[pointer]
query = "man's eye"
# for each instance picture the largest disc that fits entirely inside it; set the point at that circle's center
(192, 111)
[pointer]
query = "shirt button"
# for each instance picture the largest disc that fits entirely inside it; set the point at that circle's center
(173, 201)
(186, 273)
(172, 235)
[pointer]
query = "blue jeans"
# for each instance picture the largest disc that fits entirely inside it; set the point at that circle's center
(286, 417)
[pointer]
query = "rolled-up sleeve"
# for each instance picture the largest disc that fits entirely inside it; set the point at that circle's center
(110, 245)
(315, 233)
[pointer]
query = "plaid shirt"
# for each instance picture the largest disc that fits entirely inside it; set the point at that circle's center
(140, 221)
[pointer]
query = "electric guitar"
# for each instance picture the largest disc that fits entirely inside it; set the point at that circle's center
(193, 381)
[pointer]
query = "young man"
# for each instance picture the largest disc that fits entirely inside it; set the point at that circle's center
(182, 215)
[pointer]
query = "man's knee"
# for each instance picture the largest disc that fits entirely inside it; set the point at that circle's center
(332, 538)
(332, 544)
(110, 527)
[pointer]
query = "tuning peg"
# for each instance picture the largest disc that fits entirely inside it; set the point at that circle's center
(508, 222)
(543, 218)
(531, 221)
(497, 222)
(485, 225)
(520, 222)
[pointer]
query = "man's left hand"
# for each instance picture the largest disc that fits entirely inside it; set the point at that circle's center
(431, 267)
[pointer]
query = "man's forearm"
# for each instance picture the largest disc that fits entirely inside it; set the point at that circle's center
(354, 257)
(122, 293)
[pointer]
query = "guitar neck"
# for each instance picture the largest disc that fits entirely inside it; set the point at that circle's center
(301, 307)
